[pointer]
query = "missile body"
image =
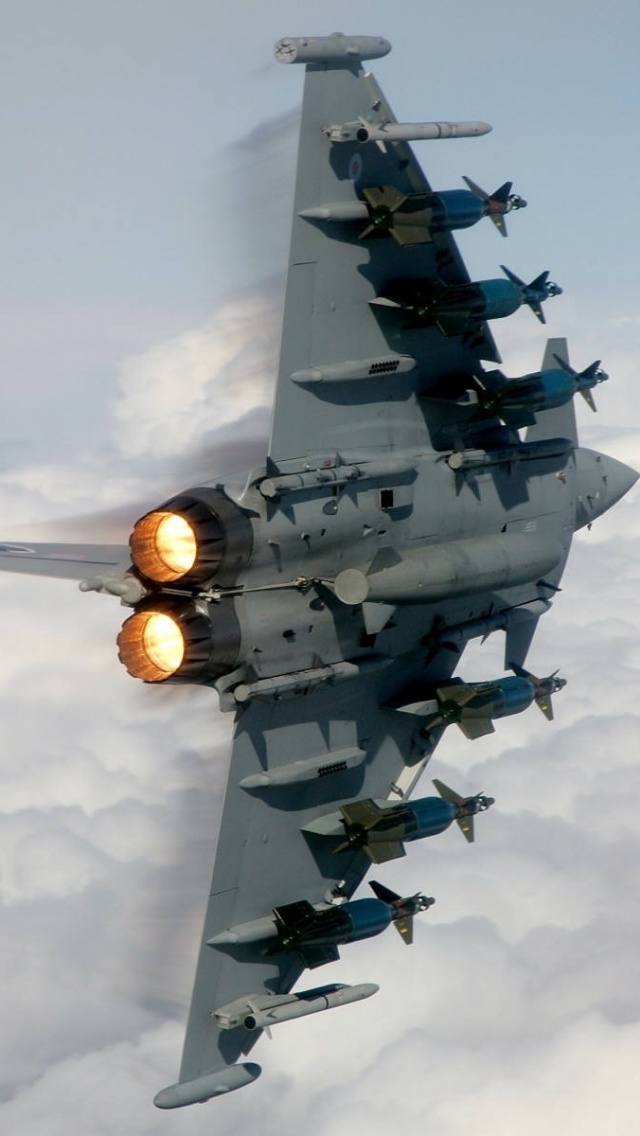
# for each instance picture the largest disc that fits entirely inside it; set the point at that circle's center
(498, 699)
(485, 299)
(361, 131)
(474, 706)
(428, 816)
(409, 218)
(261, 1011)
(347, 923)
(381, 829)
(516, 401)
(454, 308)
(315, 935)
(463, 702)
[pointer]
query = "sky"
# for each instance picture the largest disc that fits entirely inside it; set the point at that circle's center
(148, 159)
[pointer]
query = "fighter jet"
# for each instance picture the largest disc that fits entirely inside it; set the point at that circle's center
(341, 579)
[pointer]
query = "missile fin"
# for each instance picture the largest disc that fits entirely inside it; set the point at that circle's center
(539, 281)
(365, 813)
(384, 893)
(449, 323)
(459, 692)
(501, 195)
(472, 185)
(448, 794)
(465, 824)
(473, 728)
(313, 956)
(588, 398)
(515, 419)
(499, 223)
(544, 703)
(381, 851)
(513, 278)
(404, 927)
(384, 195)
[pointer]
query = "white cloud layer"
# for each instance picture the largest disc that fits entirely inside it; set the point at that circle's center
(200, 381)
(519, 1004)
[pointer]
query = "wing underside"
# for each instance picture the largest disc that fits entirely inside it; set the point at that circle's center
(64, 561)
(264, 861)
(334, 276)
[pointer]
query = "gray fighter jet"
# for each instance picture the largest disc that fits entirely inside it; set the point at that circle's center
(341, 580)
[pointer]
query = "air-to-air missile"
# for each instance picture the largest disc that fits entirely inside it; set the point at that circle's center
(261, 1011)
(314, 933)
(380, 828)
(413, 218)
(474, 705)
(382, 133)
(456, 308)
(516, 401)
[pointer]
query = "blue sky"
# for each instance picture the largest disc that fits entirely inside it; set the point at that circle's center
(129, 210)
(148, 157)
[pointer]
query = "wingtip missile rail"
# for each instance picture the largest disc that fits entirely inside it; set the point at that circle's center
(334, 50)
(213, 1084)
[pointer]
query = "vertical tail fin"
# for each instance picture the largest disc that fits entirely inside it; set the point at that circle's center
(561, 421)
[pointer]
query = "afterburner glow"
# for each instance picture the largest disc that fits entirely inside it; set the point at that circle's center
(151, 646)
(163, 642)
(163, 546)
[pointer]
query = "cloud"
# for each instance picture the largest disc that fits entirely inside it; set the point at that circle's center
(521, 982)
(518, 1006)
(199, 382)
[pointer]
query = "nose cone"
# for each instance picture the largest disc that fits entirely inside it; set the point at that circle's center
(601, 481)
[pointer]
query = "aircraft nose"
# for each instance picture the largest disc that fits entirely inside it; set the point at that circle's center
(601, 481)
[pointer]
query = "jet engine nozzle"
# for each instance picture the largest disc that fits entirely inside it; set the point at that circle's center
(175, 641)
(196, 537)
